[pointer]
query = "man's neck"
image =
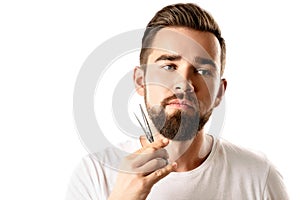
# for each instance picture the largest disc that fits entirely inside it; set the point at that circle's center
(190, 154)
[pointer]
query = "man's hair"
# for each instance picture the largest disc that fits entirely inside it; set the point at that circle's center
(181, 15)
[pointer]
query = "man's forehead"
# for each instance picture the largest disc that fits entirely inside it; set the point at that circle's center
(185, 43)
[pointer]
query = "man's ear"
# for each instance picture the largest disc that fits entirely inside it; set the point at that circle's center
(221, 92)
(139, 80)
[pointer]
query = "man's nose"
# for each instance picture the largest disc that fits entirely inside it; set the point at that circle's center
(183, 86)
(183, 82)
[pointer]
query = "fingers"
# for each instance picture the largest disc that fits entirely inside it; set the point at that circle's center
(152, 165)
(155, 176)
(148, 155)
(158, 144)
(144, 141)
(153, 152)
(147, 159)
(142, 170)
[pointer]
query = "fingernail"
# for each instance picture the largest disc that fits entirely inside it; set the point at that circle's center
(174, 165)
(165, 140)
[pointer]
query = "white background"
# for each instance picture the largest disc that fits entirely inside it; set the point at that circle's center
(44, 43)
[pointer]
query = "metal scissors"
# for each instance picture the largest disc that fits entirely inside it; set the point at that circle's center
(146, 128)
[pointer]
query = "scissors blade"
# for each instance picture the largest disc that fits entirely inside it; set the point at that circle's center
(140, 123)
(148, 132)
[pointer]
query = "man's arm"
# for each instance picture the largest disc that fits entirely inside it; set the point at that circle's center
(84, 183)
(275, 188)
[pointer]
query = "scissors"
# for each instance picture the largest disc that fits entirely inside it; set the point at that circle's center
(146, 128)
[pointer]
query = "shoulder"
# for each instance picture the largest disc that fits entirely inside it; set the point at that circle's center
(242, 154)
(87, 180)
(94, 176)
(243, 160)
(252, 168)
(109, 157)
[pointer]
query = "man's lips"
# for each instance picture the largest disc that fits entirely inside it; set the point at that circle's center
(180, 103)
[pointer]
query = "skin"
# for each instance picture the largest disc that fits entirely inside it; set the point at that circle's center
(182, 60)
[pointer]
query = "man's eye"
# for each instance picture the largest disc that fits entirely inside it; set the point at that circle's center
(204, 72)
(169, 67)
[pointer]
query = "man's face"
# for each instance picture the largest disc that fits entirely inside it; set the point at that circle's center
(182, 81)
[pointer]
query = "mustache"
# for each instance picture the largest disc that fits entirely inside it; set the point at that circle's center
(182, 96)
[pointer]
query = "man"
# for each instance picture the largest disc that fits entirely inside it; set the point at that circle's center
(182, 63)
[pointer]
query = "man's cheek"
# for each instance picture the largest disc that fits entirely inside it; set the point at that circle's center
(163, 81)
(153, 95)
(158, 89)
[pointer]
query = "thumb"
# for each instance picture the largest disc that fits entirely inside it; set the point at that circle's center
(155, 176)
(143, 140)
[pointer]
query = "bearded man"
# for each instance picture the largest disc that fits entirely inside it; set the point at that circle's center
(180, 76)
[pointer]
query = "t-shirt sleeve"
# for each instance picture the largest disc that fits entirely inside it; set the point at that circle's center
(275, 188)
(87, 182)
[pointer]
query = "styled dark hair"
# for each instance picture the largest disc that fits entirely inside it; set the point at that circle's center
(181, 15)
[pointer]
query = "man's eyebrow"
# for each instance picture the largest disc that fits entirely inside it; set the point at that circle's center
(168, 57)
(198, 60)
(205, 61)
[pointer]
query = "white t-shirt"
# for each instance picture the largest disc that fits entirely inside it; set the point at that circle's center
(229, 172)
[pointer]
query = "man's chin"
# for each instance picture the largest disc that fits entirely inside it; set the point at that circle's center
(178, 126)
(181, 138)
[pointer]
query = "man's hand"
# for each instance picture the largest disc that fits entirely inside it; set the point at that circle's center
(141, 170)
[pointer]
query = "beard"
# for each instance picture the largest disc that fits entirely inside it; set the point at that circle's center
(180, 125)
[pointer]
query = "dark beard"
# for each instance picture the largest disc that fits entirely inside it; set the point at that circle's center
(180, 125)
